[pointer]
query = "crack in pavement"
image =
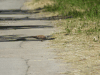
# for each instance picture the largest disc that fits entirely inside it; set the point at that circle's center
(20, 45)
(27, 66)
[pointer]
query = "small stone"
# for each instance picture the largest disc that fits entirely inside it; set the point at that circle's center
(95, 39)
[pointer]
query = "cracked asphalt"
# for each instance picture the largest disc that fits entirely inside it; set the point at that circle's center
(26, 56)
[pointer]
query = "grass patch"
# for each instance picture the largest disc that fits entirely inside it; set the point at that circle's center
(76, 8)
(81, 47)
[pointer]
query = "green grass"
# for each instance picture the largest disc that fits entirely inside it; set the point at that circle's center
(37, 0)
(86, 10)
(69, 7)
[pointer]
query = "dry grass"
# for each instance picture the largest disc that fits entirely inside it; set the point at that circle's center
(84, 55)
(78, 49)
(38, 4)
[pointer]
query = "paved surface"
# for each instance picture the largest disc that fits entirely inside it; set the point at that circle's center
(12, 66)
(11, 4)
(26, 56)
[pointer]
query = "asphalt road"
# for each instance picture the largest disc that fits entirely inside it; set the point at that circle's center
(11, 4)
(11, 8)
(11, 66)
(20, 55)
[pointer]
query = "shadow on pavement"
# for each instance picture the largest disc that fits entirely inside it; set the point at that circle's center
(12, 38)
(28, 12)
(24, 27)
(8, 38)
(17, 12)
(43, 18)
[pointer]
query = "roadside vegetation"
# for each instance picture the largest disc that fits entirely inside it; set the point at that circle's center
(78, 37)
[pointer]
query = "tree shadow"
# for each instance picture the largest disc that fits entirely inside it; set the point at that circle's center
(17, 12)
(38, 9)
(76, 13)
(35, 11)
(24, 27)
(43, 18)
(13, 38)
